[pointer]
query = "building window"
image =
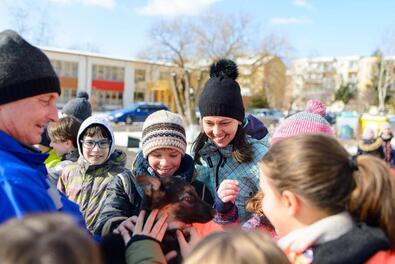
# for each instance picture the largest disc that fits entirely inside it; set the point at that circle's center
(138, 96)
(65, 68)
(109, 73)
(139, 75)
(353, 64)
(107, 100)
(67, 95)
(164, 75)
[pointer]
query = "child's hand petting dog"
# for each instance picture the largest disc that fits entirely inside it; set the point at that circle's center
(150, 228)
(228, 190)
(187, 246)
(128, 224)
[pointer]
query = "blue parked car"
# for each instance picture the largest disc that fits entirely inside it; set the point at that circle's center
(136, 112)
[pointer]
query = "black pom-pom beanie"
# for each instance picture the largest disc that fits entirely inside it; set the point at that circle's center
(221, 94)
(25, 71)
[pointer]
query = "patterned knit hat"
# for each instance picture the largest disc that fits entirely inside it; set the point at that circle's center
(309, 121)
(25, 71)
(163, 129)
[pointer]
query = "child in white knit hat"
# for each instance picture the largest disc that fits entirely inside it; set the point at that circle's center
(162, 155)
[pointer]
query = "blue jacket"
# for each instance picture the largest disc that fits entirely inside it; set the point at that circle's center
(24, 187)
(219, 163)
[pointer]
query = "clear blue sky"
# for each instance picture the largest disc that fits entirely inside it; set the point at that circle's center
(119, 27)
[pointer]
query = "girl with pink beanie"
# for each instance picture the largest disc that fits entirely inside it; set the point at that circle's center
(310, 121)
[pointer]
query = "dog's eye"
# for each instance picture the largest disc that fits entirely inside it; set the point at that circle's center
(188, 199)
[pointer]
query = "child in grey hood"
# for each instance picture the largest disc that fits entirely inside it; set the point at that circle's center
(85, 182)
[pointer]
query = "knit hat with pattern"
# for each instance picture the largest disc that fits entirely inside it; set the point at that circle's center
(163, 129)
(25, 71)
(309, 121)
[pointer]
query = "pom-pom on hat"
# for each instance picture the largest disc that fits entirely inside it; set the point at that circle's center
(78, 107)
(309, 121)
(25, 71)
(163, 129)
(221, 94)
(385, 125)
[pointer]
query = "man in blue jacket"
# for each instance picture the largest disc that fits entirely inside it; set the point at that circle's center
(29, 88)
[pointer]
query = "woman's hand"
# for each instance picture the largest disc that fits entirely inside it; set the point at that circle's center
(228, 190)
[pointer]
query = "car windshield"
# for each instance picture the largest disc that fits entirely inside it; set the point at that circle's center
(131, 107)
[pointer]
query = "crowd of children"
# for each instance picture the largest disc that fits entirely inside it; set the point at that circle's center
(301, 199)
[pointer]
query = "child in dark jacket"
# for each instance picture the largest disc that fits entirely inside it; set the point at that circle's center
(163, 155)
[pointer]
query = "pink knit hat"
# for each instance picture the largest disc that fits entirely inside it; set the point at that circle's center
(311, 120)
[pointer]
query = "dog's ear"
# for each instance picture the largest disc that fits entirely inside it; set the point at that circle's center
(149, 184)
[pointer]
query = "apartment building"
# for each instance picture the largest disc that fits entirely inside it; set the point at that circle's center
(263, 77)
(319, 78)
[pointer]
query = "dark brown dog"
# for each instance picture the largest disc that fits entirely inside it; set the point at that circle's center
(176, 197)
(172, 195)
(180, 201)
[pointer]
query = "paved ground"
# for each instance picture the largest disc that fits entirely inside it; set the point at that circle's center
(131, 153)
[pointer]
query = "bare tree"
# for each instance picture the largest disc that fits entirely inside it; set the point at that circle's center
(192, 46)
(173, 41)
(43, 33)
(383, 78)
(385, 68)
(386, 80)
(31, 21)
(219, 36)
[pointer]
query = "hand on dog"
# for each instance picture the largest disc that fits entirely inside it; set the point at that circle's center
(228, 190)
(187, 246)
(150, 228)
(128, 224)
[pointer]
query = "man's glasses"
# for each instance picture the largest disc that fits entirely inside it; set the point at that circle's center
(90, 143)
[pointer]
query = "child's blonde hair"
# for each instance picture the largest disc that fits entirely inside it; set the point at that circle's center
(64, 129)
(319, 169)
(254, 204)
(46, 238)
(236, 246)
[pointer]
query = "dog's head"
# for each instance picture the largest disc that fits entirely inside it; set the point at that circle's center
(176, 197)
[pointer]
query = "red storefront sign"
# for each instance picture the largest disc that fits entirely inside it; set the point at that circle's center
(108, 85)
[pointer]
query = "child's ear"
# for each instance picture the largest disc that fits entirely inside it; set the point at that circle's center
(149, 184)
(291, 202)
(69, 143)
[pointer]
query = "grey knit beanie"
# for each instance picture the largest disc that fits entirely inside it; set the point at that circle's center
(78, 107)
(25, 70)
